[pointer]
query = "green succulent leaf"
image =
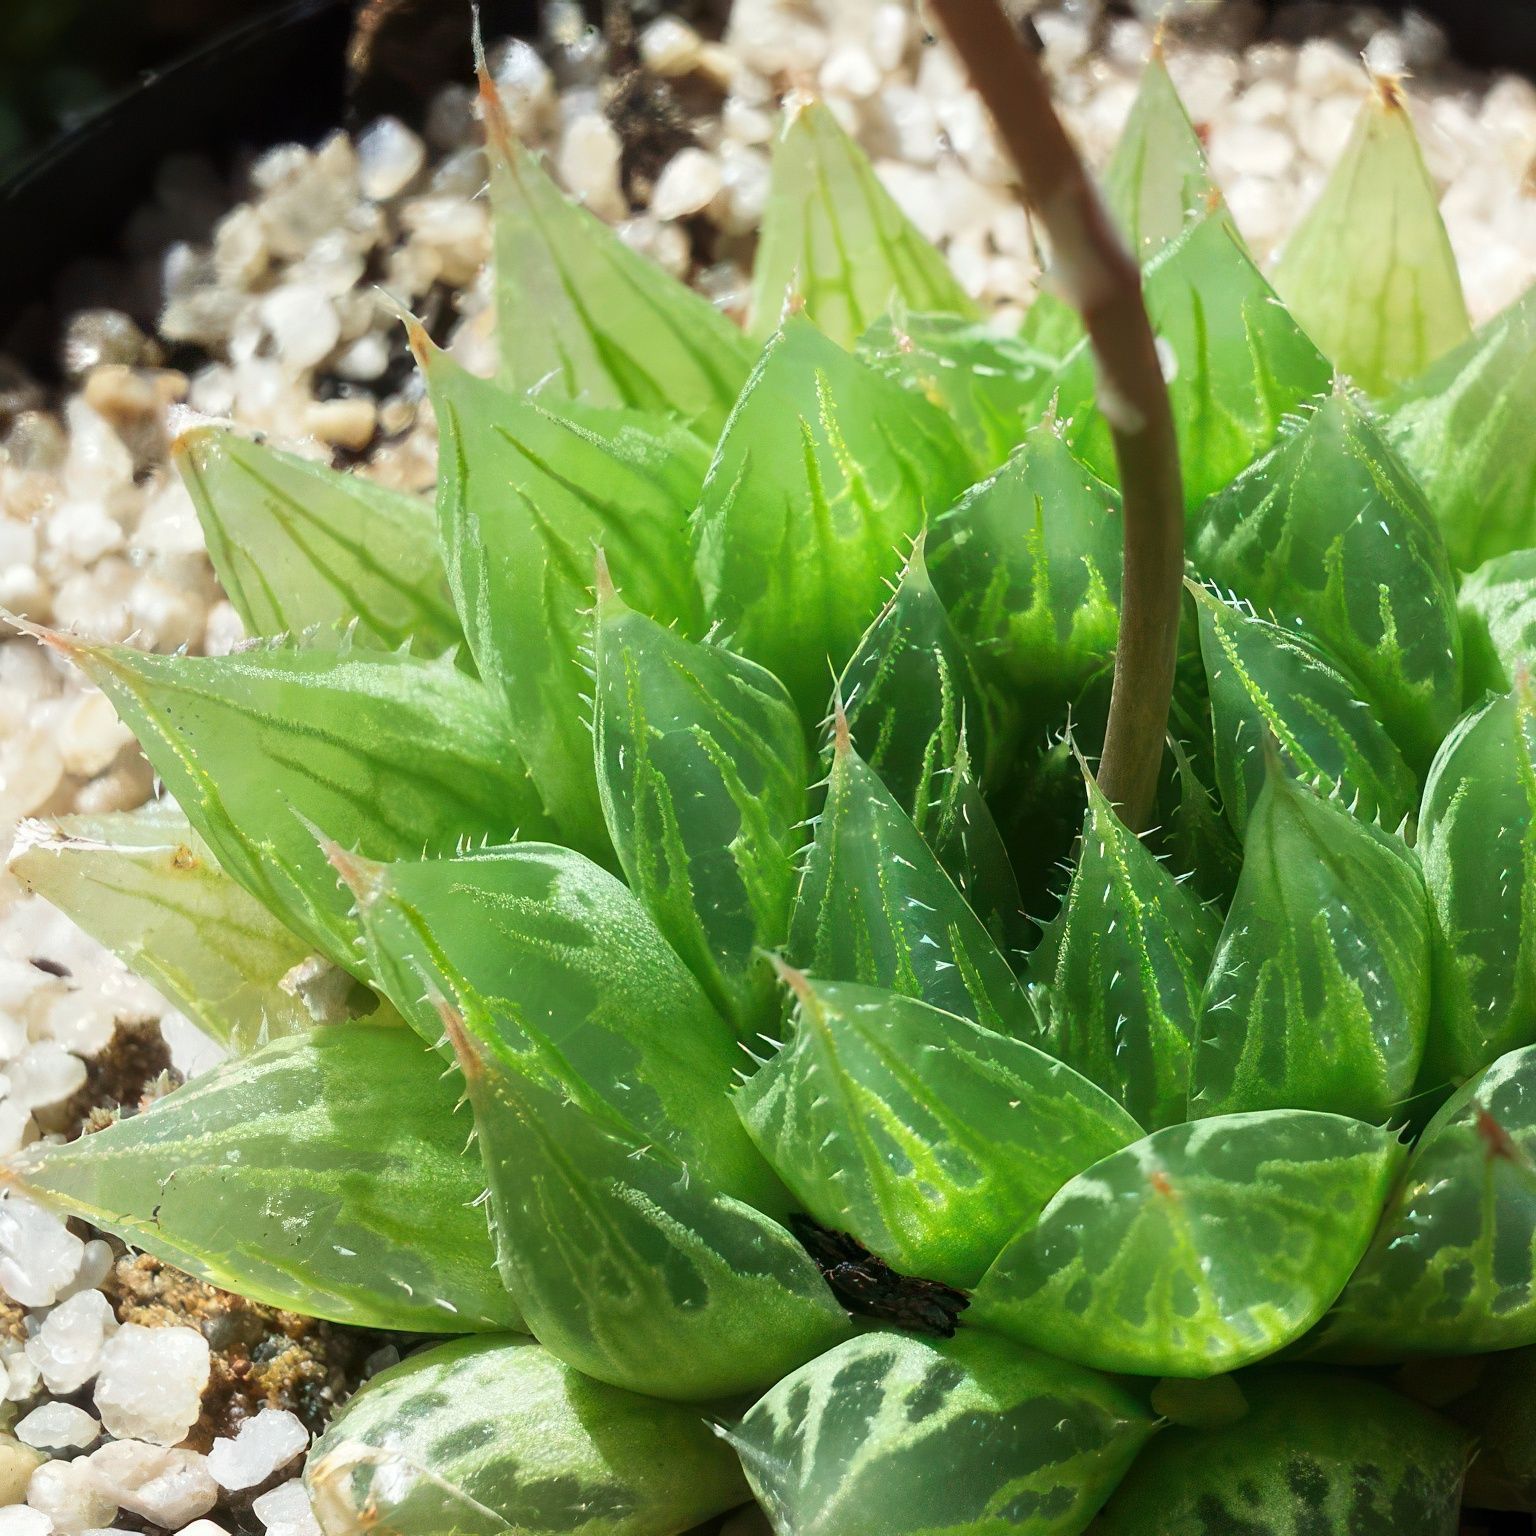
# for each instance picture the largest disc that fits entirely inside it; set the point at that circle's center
(1201, 842)
(875, 906)
(825, 468)
(583, 990)
(1369, 271)
(299, 546)
(1121, 967)
(386, 753)
(1498, 622)
(1318, 997)
(145, 885)
(1317, 1452)
(630, 1265)
(1028, 566)
(582, 317)
(1452, 1268)
(1236, 361)
(1266, 682)
(490, 1435)
(1203, 1248)
(324, 1173)
(702, 767)
(1157, 182)
(850, 1444)
(1463, 428)
(911, 697)
(929, 1138)
(834, 238)
(1477, 841)
(527, 495)
(1491, 1397)
(989, 385)
(1329, 536)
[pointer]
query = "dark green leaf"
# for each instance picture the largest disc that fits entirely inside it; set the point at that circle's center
(913, 702)
(1330, 537)
(1452, 1269)
(1121, 967)
(876, 906)
(297, 545)
(1266, 682)
(834, 238)
(325, 1174)
(1477, 840)
(1317, 1453)
(583, 990)
(890, 1435)
(703, 768)
(930, 1139)
(487, 1436)
(991, 385)
(1463, 427)
(1235, 360)
(629, 1264)
(526, 496)
(1203, 1248)
(1319, 994)
(1369, 271)
(1028, 565)
(1498, 622)
(583, 317)
(824, 470)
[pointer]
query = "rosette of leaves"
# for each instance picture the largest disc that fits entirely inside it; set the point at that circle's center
(606, 882)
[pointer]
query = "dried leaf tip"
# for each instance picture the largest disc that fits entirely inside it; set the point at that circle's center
(55, 640)
(1387, 89)
(602, 579)
(842, 737)
(793, 978)
(493, 113)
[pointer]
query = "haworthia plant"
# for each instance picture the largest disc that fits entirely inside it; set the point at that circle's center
(1460, 426)
(649, 817)
(1027, 1443)
(176, 919)
(429, 1446)
(304, 1175)
(1198, 1250)
(1376, 230)
(1312, 1451)
(299, 546)
(857, 1105)
(834, 241)
(1318, 993)
(1328, 536)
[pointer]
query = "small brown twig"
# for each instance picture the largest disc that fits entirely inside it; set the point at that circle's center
(1101, 278)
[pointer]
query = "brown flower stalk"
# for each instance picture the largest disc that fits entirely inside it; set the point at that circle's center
(1095, 270)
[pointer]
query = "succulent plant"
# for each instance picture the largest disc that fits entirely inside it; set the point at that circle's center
(610, 890)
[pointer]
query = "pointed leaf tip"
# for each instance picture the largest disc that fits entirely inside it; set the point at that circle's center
(363, 877)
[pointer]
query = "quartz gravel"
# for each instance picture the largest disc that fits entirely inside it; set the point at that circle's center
(288, 310)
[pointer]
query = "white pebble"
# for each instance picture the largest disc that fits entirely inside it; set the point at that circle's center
(151, 1382)
(525, 85)
(165, 1485)
(204, 1528)
(67, 1349)
(589, 165)
(285, 1511)
(45, 1074)
(90, 734)
(389, 156)
(70, 1496)
(39, 1255)
(670, 46)
(349, 421)
(691, 180)
(303, 323)
(18, 1520)
(850, 71)
(58, 1427)
(260, 1447)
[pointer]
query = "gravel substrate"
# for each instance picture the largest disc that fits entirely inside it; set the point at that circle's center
(131, 1397)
